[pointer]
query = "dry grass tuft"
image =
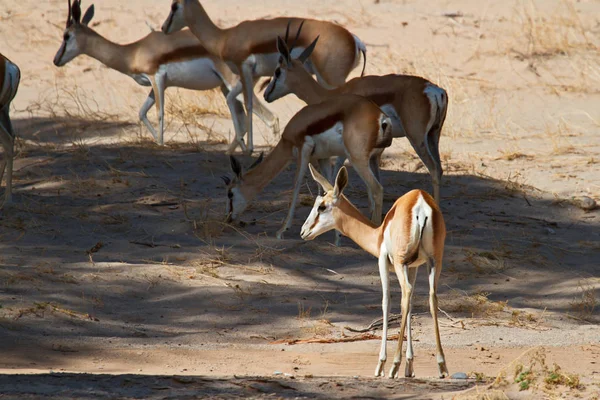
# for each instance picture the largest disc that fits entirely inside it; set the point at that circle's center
(557, 32)
(72, 102)
(477, 305)
(191, 114)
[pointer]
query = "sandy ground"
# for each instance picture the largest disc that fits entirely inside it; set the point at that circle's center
(114, 262)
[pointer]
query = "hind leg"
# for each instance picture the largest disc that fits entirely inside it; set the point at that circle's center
(427, 150)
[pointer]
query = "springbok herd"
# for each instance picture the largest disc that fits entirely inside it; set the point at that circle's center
(353, 120)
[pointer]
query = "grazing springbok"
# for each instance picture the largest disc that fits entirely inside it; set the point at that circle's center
(416, 106)
(249, 48)
(10, 76)
(348, 125)
(159, 61)
(412, 234)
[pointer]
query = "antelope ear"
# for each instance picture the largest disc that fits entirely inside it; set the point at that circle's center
(89, 14)
(236, 167)
(283, 49)
(340, 182)
(257, 161)
(320, 179)
(308, 51)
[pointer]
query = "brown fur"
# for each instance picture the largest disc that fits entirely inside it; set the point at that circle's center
(334, 58)
(403, 92)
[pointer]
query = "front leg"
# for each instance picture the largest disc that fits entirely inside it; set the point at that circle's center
(261, 110)
(232, 103)
(143, 113)
(161, 79)
(385, 306)
(247, 78)
(303, 159)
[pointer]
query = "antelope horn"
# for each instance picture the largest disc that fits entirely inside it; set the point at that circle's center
(69, 16)
(297, 36)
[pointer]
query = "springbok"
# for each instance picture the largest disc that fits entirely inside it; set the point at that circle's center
(249, 48)
(416, 106)
(10, 76)
(159, 61)
(348, 125)
(412, 234)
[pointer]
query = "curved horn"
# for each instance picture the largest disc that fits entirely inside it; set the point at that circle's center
(69, 16)
(297, 36)
(287, 31)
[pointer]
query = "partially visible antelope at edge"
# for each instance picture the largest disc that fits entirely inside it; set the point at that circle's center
(10, 76)
(416, 106)
(249, 49)
(159, 61)
(412, 234)
(348, 125)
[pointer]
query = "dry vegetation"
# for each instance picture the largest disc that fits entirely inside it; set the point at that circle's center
(114, 236)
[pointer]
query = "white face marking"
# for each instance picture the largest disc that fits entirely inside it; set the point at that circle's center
(236, 203)
(277, 88)
(319, 221)
(69, 49)
(175, 21)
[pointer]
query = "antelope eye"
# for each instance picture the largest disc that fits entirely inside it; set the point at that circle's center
(230, 195)
(322, 208)
(66, 36)
(277, 72)
(174, 7)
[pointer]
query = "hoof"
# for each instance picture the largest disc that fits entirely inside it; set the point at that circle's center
(379, 370)
(394, 371)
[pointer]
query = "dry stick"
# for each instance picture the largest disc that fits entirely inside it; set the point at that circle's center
(367, 336)
(378, 323)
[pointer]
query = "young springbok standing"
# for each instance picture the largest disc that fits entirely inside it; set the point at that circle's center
(348, 125)
(9, 84)
(249, 48)
(159, 61)
(412, 234)
(416, 106)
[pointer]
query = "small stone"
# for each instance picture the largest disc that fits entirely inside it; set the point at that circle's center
(585, 203)
(550, 231)
(459, 375)
(277, 373)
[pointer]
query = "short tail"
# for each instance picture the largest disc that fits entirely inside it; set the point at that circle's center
(363, 49)
(413, 253)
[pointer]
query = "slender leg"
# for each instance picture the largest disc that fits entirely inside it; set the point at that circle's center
(7, 140)
(239, 129)
(160, 85)
(402, 271)
(236, 108)
(434, 268)
(429, 154)
(266, 116)
(385, 306)
(143, 113)
(247, 70)
(157, 99)
(374, 162)
(409, 372)
(301, 168)
(374, 189)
